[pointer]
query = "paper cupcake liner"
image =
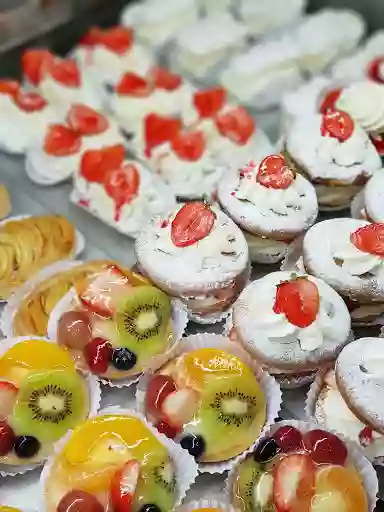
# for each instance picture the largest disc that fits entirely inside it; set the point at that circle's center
(209, 319)
(94, 402)
(361, 463)
(202, 504)
(271, 389)
(179, 321)
(185, 465)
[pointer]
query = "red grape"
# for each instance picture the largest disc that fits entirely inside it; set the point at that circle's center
(79, 501)
(74, 330)
(288, 439)
(98, 354)
(325, 448)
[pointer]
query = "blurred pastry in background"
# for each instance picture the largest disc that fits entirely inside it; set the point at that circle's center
(5, 202)
(369, 203)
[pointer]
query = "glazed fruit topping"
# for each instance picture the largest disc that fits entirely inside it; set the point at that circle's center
(30, 101)
(122, 185)
(123, 359)
(26, 447)
(117, 39)
(164, 79)
(288, 438)
(98, 355)
(10, 87)
(189, 146)
(95, 163)
(266, 450)
(7, 438)
(180, 406)
(236, 124)
(159, 388)
(274, 173)
(338, 125)
(74, 329)
(123, 486)
(61, 141)
(79, 501)
(209, 102)
(66, 72)
(375, 69)
(378, 142)
(329, 101)
(299, 300)
(8, 393)
(370, 239)
(91, 37)
(159, 130)
(86, 121)
(165, 428)
(34, 64)
(133, 85)
(194, 444)
(193, 222)
(366, 436)
(325, 448)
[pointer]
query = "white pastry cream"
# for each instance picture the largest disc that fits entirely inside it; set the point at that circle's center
(46, 169)
(374, 197)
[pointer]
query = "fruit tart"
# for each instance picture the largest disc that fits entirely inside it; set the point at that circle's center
(270, 203)
(299, 467)
(116, 461)
(4, 508)
(42, 397)
(208, 505)
(198, 255)
(348, 255)
(115, 323)
(337, 157)
(369, 203)
(122, 193)
(293, 324)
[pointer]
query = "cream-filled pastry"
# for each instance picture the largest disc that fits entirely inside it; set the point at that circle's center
(369, 203)
(34, 62)
(213, 7)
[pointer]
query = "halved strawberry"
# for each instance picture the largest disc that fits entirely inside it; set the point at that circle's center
(180, 406)
(209, 102)
(337, 124)
(86, 121)
(10, 87)
(34, 63)
(189, 146)
(330, 98)
(299, 300)
(158, 130)
(375, 69)
(378, 142)
(30, 101)
(61, 141)
(236, 124)
(117, 39)
(122, 185)
(164, 79)
(133, 85)
(294, 483)
(274, 173)
(66, 72)
(366, 436)
(370, 239)
(91, 37)
(8, 393)
(123, 486)
(193, 222)
(95, 163)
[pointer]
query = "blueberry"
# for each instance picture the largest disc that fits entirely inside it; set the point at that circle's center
(26, 447)
(123, 359)
(266, 450)
(150, 508)
(194, 444)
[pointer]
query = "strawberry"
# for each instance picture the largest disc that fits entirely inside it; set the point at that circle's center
(91, 37)
(337, 124)
(98, 355)
(370, 239)
(378, 142)
(193, 222)
(189, 146)
(164, 79)
(66, 72)
(123, 486)
(330, 98)
(95, 163)
(299, 300)
(274, 173)
(30, 101)
(122, 185)
(8, 393)
(366, 436)
(133, 85)
(61, 141)
(294, 483)
(236, 124)
(209, 102)
(10, 87)
(375, 69)
(34, 63)
(117, 39)
(86, 121)
(158, 130)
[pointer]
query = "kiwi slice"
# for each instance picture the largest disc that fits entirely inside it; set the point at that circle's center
(143, 321)
(156, 486)
(250, 476)
(49, 404)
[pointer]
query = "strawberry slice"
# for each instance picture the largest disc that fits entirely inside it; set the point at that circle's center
(370, 239)
(123, 486)
(294, 483)
(236, 124)
(164, 79)
(209, 102)
(117, 39)
(10, 87)
(91, 37)
(338, 125)
(8, 394)
(299, 300)
(375, 69)
(122, 185)
(193, 222)
(189, 146)
(30, 101)
(34, 63)
(133, 85)
(95, 163)
(86, 121)
(61, 141)
(378, 142)
(274, 173)
(66, 72)
(330, 98)
(158, 130)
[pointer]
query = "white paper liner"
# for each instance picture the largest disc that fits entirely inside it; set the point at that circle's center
(361, 463)
(209, 503)
(179, 322)
(94, 402)
(210, 319)
(184, 465)
(271, 389)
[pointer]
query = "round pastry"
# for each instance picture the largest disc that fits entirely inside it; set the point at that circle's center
(197, 254)
(122, 193)
(116, 460)
(116, 323)
(348, 254)
(293, 324)
(42, 397)
(5, 202)
(270, 203)
(337, 156)
(298, 466)
(369, 203)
